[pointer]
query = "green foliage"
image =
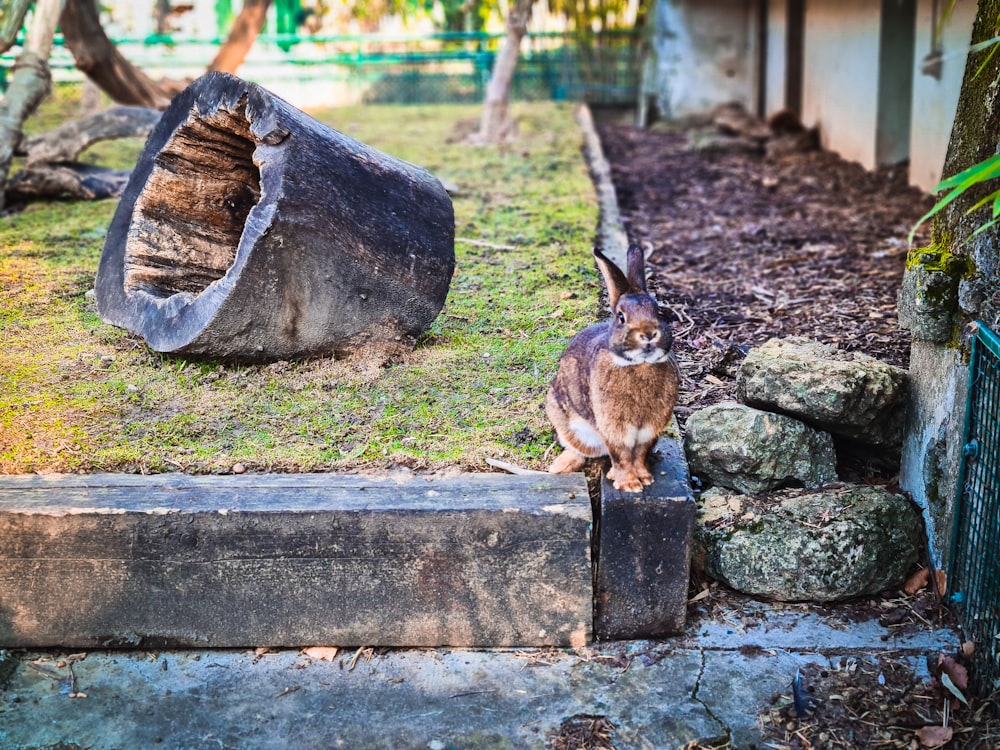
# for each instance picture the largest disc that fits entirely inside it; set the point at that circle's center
(587, 16)
(959, 184)
(979, 176)
(371, 11)
(78, 395)
(465, 15)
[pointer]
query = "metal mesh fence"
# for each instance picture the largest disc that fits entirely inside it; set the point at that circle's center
(440, 68)
(975, 565)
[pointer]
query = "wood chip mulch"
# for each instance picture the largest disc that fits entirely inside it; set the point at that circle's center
(582, 732)
(746, 248)
(874, 703)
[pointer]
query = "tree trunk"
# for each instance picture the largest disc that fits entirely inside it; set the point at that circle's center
(11, 19)
(495, 124)
(975, 136)
(947, 285)
(250, 232)
(953, 281)
(101, 61)
(245, 29)
(29, 85)
(161, 12)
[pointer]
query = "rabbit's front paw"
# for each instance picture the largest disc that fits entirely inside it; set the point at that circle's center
(644, 475)
(627, 482)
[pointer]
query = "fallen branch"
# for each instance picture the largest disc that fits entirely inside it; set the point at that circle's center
(29, 84)
(512, 468)
(72, 179)
(70, 139)
(51, 169)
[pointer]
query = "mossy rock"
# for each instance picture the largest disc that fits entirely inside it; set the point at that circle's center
(822, 546)
(749, 450)
(848, 394)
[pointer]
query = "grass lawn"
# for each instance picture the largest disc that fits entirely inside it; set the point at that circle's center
(79, 395)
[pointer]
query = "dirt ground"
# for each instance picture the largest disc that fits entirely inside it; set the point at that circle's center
(745, 248)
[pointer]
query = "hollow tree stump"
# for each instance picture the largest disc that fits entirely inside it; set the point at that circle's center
(251, 232)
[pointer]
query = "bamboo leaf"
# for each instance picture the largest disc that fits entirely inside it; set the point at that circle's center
(989, 57)
(980, 172)
(991, 198)
(980, 46)
(935, 210)
(957, 184)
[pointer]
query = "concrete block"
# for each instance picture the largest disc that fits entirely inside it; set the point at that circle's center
(644, 557)
(291, 560)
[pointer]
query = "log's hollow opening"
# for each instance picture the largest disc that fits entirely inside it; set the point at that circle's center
(189, 217)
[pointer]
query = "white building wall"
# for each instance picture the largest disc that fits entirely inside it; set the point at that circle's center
(934, 100)
(705, 55)
(840, 76)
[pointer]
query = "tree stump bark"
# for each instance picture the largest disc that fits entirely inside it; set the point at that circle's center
(250, 232)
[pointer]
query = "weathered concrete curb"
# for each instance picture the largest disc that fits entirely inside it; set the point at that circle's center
(713, 683)
(610, 235)
(643, 562)
(290, 560)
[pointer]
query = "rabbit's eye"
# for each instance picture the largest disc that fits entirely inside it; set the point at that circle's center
(621, 317)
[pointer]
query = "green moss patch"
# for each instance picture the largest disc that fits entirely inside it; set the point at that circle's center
(78, 395)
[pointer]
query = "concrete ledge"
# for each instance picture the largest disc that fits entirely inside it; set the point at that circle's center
(291, 560)
(644, 558)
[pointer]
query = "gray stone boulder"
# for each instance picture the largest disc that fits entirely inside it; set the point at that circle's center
(848, 394)
(750, 451)
(711, 141)
(817, 546)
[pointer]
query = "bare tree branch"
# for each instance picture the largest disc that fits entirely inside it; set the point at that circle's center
(245, 30)
(29, 84)
(73, 179)
(11, 19)
(102, 63)
(70, 139)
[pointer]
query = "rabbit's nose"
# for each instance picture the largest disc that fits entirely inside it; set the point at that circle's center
(650, 337)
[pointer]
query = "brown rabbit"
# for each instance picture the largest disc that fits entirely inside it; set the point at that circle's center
(617, 381)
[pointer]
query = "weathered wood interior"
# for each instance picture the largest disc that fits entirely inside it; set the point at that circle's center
(189, 218)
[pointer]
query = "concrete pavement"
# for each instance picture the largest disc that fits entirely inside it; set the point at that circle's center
(712, 683)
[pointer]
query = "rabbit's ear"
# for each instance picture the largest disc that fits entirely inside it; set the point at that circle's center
(614, 278)
(636, 264)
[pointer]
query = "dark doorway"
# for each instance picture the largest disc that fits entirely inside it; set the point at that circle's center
(796, 12)
(895, 81)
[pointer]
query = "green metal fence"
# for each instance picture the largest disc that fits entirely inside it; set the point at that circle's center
(974, 575)
(401, 69)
